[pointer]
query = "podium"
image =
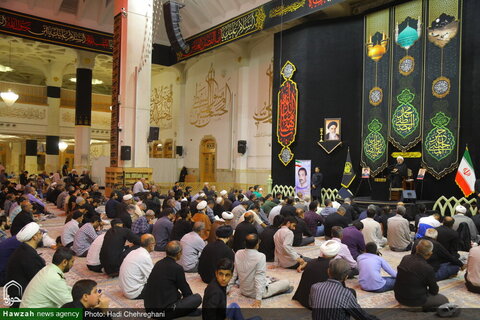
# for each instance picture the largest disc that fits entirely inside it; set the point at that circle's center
(380, 189)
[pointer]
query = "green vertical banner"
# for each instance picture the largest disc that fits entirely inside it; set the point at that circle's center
(442, 87)
(376, 91)
(407, 71)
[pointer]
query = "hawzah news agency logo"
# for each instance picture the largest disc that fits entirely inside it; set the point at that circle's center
(7, 300)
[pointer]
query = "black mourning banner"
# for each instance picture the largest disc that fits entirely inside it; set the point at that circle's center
(407, 74)
(52, 145)
(83, 94)
(44, 30)
(442, 87)
(376, 91)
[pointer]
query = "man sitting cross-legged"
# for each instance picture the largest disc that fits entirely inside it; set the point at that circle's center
(331, 300)
(214, 252)
(167, 289)
(113, 248)
(316, 271)
(250, 269)
(370, 265)
(136, 268)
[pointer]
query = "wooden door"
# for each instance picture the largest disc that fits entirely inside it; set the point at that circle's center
(168, 153)
(208, 160)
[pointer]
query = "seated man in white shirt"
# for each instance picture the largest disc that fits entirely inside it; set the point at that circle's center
(285, 255)
(70, 228)
(93, 254)
(136, 268)
(372, 230)
(250, 269)
(138, 187)
(192, 247)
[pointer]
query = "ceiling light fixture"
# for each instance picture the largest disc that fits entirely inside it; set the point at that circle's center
(62, 146)
(5, 68)
(9, 97)
(94, 81)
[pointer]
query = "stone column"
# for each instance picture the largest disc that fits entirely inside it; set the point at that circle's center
(134, 79)
(241, 121)
(31, 157)
(83, 109)
(13, 157)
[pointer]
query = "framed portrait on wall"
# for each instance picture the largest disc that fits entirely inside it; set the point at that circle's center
(365, 173)
(333, 129)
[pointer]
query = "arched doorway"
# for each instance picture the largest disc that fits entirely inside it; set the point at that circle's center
(208, 159)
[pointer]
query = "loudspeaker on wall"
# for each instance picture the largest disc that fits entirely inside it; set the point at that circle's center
(31, 148)
(171, 14)
(126, 153)
(179, 150)
(153, 134)
(242, 146)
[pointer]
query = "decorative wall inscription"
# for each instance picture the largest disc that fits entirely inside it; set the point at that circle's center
(211, 101)
(23, 113)
(263, 114)
(161, 106)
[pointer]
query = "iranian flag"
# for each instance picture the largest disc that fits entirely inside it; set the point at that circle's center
(465, 178)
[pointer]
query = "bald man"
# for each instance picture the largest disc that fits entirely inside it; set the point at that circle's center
(136, 268)
(448, 237)
(168, 275)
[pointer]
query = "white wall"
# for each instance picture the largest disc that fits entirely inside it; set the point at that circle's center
(242, 67)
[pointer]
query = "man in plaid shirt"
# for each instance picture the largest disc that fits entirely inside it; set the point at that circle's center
(144, 224)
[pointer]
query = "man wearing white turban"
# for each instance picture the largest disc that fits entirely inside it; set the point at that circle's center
(398, 172)
(25, 262)
(461, 217)
(316, 271)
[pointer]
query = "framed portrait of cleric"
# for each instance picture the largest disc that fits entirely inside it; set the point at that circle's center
(333, 129)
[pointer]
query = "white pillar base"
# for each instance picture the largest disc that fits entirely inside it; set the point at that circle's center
(31, 164)
(82, 148)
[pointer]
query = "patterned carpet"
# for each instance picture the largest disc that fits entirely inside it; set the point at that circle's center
(381, 303)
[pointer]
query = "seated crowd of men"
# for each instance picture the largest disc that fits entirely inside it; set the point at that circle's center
(227, 238)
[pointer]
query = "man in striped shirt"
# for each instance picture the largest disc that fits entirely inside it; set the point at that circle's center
(331, 300)
(85, 236)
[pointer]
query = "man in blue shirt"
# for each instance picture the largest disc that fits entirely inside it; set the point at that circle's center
(370, 265)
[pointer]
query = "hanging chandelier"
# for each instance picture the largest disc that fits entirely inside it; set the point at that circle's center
(9, 97)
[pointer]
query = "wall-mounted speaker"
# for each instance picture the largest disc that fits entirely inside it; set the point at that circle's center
(126, 153)
(153, 134)
(242, 146)
(171, 14)
(31, 149)
(179, 150)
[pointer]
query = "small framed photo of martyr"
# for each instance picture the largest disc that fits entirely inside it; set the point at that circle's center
(365, 173)
(333, 129)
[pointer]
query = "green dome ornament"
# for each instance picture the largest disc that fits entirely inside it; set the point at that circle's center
(406, 38)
